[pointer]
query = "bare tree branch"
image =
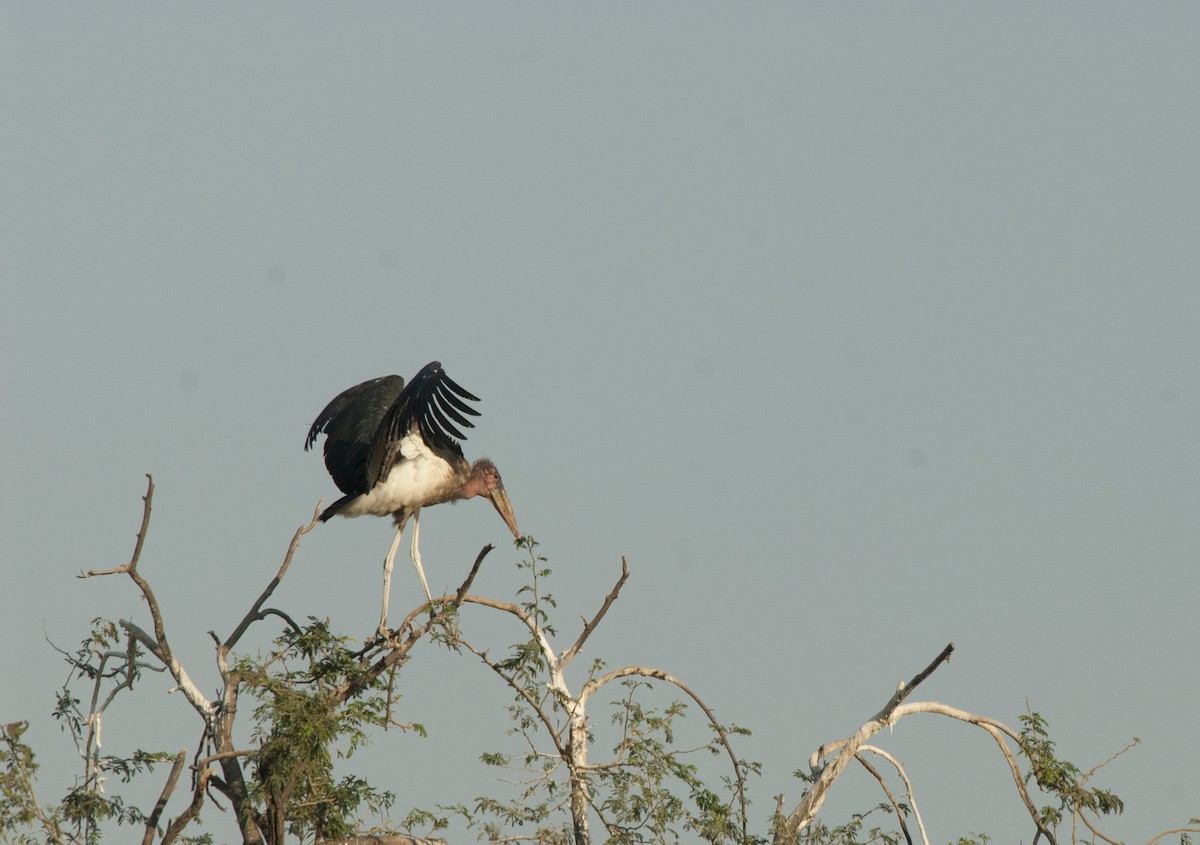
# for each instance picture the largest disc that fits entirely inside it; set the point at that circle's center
(892, 798)
(160, 647)
(1088, 774)
(465, 587)
(827, 773)
(1083, 818)
(219, 756)
(161, 804)
(254, 614)
(588, 627)
(189, 814)
(998, 731)
(908, 790)
(1178, 830)
(141, 536)
(905, 690)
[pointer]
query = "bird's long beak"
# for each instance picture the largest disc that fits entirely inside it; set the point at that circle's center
(504, 507)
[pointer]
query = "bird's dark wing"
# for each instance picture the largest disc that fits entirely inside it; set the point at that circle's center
(434, 404)
(350, 423)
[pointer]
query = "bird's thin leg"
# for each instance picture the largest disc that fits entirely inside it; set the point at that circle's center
(416, 554)
(387, 577)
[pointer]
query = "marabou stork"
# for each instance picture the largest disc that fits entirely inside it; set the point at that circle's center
(390, 448)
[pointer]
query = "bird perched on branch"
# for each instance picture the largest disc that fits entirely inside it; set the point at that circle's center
(391, 448)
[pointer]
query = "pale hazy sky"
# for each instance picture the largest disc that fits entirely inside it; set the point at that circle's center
(857, 329)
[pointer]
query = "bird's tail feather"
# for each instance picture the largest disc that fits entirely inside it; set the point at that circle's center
(333, 509)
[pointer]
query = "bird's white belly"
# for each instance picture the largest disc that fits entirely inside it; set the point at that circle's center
(421, 478)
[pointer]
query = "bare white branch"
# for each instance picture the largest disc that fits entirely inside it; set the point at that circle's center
(908, 792)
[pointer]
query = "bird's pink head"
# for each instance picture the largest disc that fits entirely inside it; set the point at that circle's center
(485, 481)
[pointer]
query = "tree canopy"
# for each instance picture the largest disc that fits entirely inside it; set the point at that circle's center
(269, 760)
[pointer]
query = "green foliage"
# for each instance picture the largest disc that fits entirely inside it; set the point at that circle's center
(304, 722)
(650, 791)
(536, 601)
(99, 672)
(855, 831)
(973, 839)
(18, 804)
(1061, 778)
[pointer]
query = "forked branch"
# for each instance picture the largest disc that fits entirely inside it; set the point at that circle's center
(158, 645)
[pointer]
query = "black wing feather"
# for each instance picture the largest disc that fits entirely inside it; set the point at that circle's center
(425, 403)
(450, 411)
(350, 422)
(453, 386)
(434, 419)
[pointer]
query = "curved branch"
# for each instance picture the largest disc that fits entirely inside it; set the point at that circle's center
(847, 748)
(891, 798)
(998, 730)
(912, 799)
(1083, 818)
(1166, 833)
(539, 636)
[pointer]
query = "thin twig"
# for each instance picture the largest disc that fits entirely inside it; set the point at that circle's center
(1088, 774)
(465, 587)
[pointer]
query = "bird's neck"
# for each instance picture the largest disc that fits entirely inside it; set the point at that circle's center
(476, 485)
